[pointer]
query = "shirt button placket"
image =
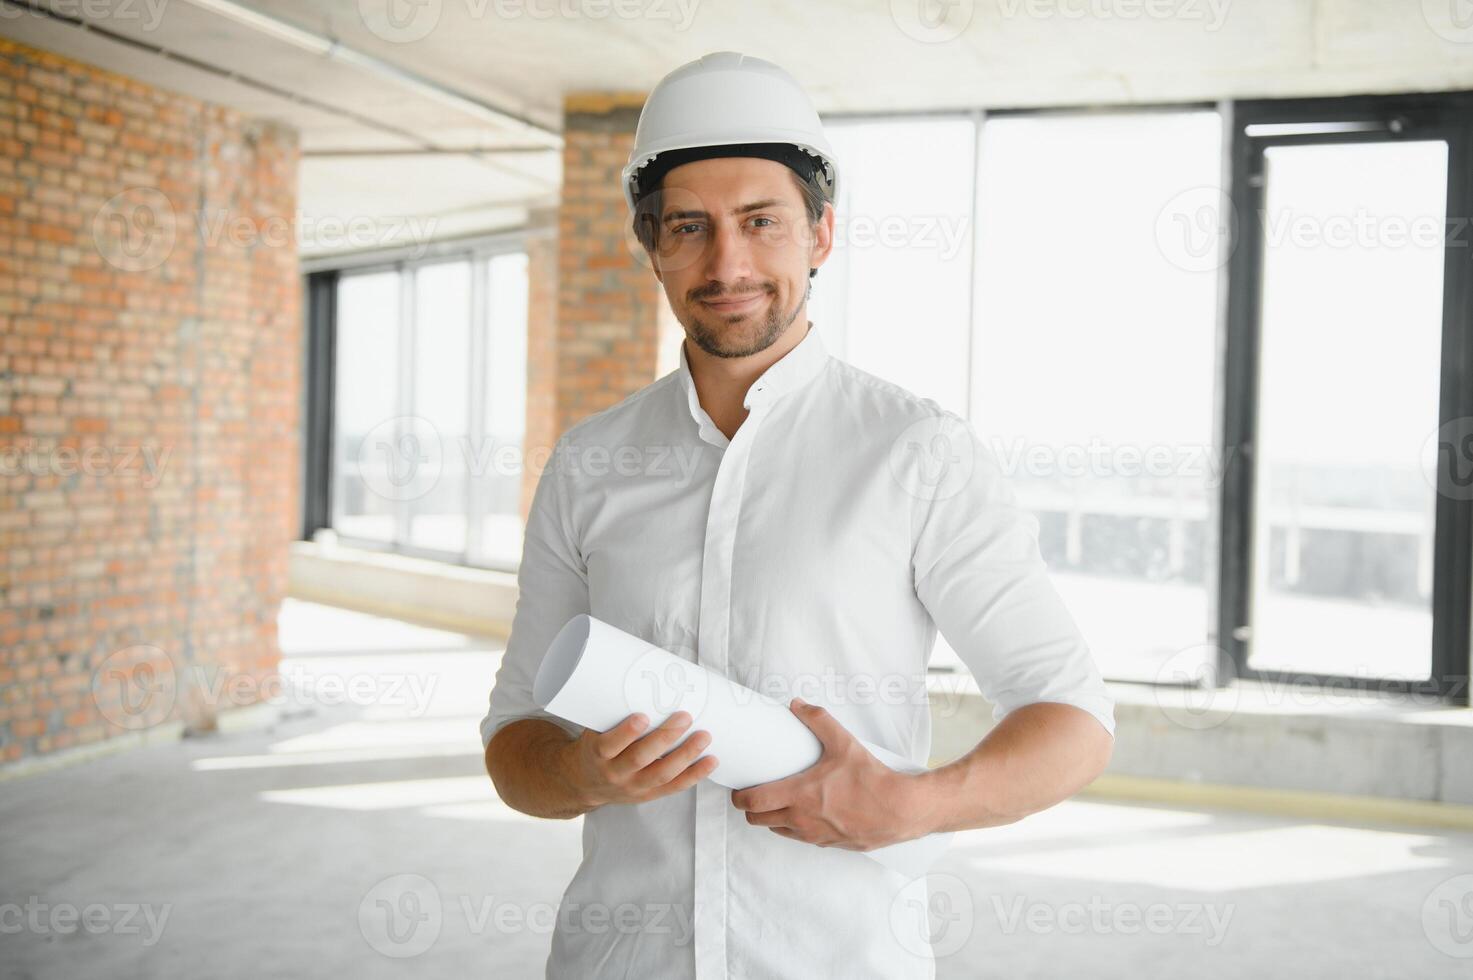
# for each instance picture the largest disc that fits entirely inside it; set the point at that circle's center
(714, 637)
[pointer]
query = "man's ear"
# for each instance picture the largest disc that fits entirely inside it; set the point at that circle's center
(823, 240)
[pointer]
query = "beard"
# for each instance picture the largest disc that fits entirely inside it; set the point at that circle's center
(741, 334)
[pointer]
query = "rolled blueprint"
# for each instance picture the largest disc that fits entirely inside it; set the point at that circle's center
(596, 675)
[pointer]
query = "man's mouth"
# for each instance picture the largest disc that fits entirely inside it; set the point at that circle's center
(729, 304)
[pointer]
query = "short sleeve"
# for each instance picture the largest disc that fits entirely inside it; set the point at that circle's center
(552, 588)
(980, 575)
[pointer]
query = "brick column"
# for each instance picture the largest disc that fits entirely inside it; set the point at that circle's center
(597, 342)
(542, 298)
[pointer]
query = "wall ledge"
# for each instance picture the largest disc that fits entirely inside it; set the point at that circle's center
(479, 601)
(1329, 754)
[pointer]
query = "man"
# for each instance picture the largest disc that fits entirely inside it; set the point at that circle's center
(804, 528)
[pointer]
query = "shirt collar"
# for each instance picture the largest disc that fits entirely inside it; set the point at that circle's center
(788, 373)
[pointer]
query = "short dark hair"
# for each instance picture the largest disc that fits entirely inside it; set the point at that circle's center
(813, 190)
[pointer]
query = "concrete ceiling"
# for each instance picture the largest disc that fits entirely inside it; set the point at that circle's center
(497, 71)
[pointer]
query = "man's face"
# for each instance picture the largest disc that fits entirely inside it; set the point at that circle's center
(734, 249)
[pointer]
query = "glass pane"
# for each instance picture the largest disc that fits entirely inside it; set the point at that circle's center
(1348, 387)
(442, 357)
(506, 409)
(893, 297)
(1094, 363)
(366, 396)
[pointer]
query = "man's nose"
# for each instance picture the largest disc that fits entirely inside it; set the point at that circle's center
(728, 257)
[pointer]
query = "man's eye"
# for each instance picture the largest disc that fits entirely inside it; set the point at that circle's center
(679, 228)
(768, 220)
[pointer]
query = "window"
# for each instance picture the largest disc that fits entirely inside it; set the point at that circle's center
(1346, 532)
(366, 382)
(1342, 571)
(1093, 363)
(429, 406)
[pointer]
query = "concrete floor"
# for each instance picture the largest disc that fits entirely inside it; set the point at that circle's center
(276, 853)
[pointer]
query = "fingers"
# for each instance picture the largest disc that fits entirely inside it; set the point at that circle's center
(818, 719)
(621, 736)
(653, 745)
(629, 765)
(659, 770)
(690, 775)
(771, 818)
(696, 773)
(662, 771)
(641, 763)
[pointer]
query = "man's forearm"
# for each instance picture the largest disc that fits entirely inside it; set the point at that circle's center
(1039, 755)
(526, 763)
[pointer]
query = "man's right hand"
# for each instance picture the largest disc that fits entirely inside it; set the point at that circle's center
(624, 764)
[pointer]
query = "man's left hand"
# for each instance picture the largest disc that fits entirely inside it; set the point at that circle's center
(847, 799)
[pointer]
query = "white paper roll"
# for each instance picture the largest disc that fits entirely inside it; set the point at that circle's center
(596, 675)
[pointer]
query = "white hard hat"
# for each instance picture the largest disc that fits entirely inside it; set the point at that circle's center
(726, 98)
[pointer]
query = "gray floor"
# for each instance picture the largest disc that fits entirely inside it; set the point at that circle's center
(276, 853)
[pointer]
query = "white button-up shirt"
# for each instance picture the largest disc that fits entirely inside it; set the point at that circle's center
(815, 554)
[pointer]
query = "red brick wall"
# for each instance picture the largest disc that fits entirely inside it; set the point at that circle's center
(149, 368)
(542, 299)
(594, 308)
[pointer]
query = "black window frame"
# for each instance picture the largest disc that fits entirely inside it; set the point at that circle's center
(1447, 116)
(320, 332)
